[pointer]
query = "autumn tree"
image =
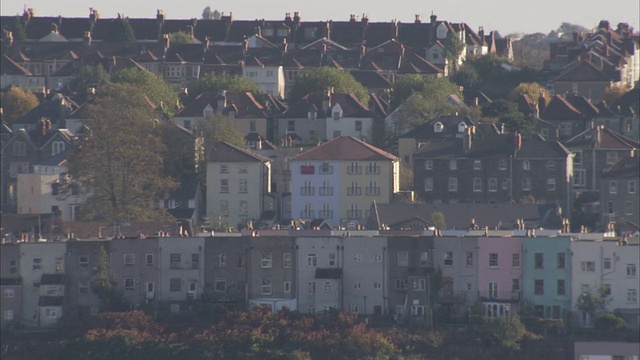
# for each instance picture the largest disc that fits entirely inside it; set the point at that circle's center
(323, 78)
(105, 288)
(532, 90)
(216, 82)
(16, 102)
(613, 93)
(120, 162)
(154, 87)
(593, 302)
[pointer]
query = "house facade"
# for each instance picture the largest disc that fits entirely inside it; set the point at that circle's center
(619, 195)
(10, 286)
(181, 263)
(499, 265)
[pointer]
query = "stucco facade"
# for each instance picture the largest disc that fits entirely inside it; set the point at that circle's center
(499, 265)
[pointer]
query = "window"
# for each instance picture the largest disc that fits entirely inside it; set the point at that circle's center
(174, 261)
(286, 260)
(453, 165)
(477, 165)
(539, 260)
(453, 184)
(448, 258)
(357, 257)
(428, 184)
(129, 283)
(377, 285)
(631, 270)
(373, 189)
(628, 208)
(311, 287)
(632, 295)
(561, 287)
(174, 284)
(631, 186)
(326, 169)
(13, 266)
(612, 157)
(307, 212)
(242, 186)
(224, 186)
(332, 259)
(551, 165)
(551, 184)
(606, 263)
(502, 164)
(493, 260)
(377, 257)
(19, 148)
(129, 259)
(506, 183)
(336, 133)
(224, 207)
(265, 287)
(243, 205)
(312, 260)
(358, 125)
(51, 313)
(291, 126)
(354, 169)
(148, 259)
(401, 284)
(469, 259)
(220, 285)
(613, 187)
(327, 286)
(493, 289)
(610, 209)
(428, 165)
(526, 165)
(403, 258)
(83, 261)
(372, 169)
(57, 147)
(37, 264)
(9, 293)
(526, 184)
(419, 284)
(357, 285)
(8, 315)
(477, 184)
(326, 189)
(287, 286)
(539, 287)
(425, 259)
(515, 284)
(224, 169)
(438, 127)
(577, 157)
(607, 289)
(588, 266)
(493, 184)
(579, 178)
(561, 257)
(265, 261)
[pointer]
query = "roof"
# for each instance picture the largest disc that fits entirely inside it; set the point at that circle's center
(246, 105)
(328, 273)
(559, 109)
(458, 216)
(351, 106)
(602, 138)
(227, 153)
(53, 279)
(345, 148)
(10, 281)
(627, 167)
(10, 67)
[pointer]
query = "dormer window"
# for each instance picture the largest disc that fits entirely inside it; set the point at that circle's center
(336, 112)
(207, 111)
(283, 32)
(312, 115)
(437, 127)
(57, 147)
(462, 127)
(267, 31)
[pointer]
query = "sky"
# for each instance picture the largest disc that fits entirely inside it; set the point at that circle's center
(506, 16)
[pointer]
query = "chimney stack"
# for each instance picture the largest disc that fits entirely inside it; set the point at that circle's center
(481, 33)
(418, 19)
(326, 101)
(222, 102)
(296, 18)
(160, 17)
(87, 38)
(433, 19)
(352, 18)
(10, 38)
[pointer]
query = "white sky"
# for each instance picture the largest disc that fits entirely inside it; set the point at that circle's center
(506, 16)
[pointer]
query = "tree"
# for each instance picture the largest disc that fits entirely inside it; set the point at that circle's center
(453, 47)
(220, 128)
(532, 90)
(159, 91)
(437, 220)
(609, 322)
(593, 302)
(89, 77)
(216, 82)
(323, 78)
(17, 102)
(439, 88)
(181, 37)
(207, 14)
(179, 154)
(119, 30)
(613, 93)
(120, 161)
(105, 288)
(507, 113)
(17, 29)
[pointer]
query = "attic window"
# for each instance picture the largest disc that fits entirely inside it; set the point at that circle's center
(312, 115)
(267, 31)
(437, 127)
(283, 32)
(461, 127)
(337, 112)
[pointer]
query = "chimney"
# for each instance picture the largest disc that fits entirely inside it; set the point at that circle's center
(327, 30)
(87, 38)
(542, 103)
(433, 19)
(205, 43)
(54, 28)
(481, 33)
(222, 101)
(9, 38)
(259, 30)
(165, 41)
(296, 18)
(326, 101)
(517, 141)
(394, 29)
(285, 46)
(93, 16)
(364, 20)
(287, 18)
(467, 138)
(352, 18)
(160, 17)
(418, 19)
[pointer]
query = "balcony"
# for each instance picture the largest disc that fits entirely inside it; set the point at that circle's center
(354, 191)
(451, 297)
(499, 296)
(326, 191)
(372, 191)
(326, 214)
(307, 191)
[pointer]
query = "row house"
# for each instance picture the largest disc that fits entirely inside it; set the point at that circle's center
(480, 164)
(339, 179)
(454, 258)
(607, 267)
(238, 185)
(619, 195)
(49, 190)
(272, 272)
(318, 117)
(499, 264)
(571, 115)
(10, 286)
(81, 261)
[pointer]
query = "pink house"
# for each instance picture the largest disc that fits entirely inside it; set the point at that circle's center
(499, 267)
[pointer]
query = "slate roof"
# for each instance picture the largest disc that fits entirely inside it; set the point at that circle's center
(560, 109)
(228, 153)
(626, 104)
(470, 96)
(246, 105)
(351, 106)
(626, 168)
(450, 127)
(603, 138)
(10, 67)
(371, 79)
(344, 148)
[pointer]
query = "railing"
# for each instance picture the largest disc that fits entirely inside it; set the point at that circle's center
(354, 170)
(306, 191)
(372, 191)
(326, 214)
(354, 191)
(326, 191)
(451, 297)
(486, 295)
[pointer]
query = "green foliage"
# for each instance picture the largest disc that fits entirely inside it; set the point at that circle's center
(119, 162)
(178, 154)
(593, 302)
(181, 37)
(89, 77)
(609, 322)
(614, 93)
(120, 30)
(437, 220)
(453, 47)
(532, 90)
(17, 29)
(216, 82)
(207, 14)
(507, 113)
(220, 128)
(323, 78)
(159, 91)
(105, 288)
(408, 85)
(16, 102)
(499, 339)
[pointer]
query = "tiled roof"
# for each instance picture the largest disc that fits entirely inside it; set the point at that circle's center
(345, 148)
(583, 70)
(227, 153)
(559, 109)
